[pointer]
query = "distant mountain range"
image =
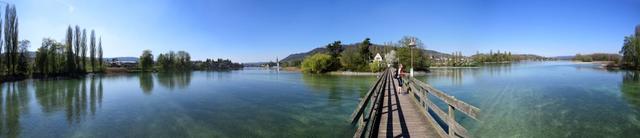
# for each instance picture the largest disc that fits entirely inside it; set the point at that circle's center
(301, 56)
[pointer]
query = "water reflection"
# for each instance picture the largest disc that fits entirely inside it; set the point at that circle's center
(146, 83)
(13, 103)
(631, 88)
(455, 75)
(172, 80)
(72, 96)
(334, 86)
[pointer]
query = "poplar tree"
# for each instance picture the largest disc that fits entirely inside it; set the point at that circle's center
(83, 51)
(70, 61)
(76, 45)
(100, 59)
(92, 52)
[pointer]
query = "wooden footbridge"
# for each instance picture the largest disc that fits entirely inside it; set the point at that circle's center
(386, 112)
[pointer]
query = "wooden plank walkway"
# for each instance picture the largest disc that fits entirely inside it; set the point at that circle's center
(387, 112)
(400, 116)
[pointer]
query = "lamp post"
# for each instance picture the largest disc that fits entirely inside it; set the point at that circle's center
(412, 44)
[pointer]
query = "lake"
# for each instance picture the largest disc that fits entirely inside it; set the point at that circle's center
(530, 99)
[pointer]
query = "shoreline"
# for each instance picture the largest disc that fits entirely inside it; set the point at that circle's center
(351, 73)
(451, 67)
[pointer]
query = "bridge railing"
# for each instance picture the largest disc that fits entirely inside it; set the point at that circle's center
(422, 91)
(366, 114)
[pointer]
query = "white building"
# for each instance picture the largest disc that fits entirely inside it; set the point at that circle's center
(377, 58)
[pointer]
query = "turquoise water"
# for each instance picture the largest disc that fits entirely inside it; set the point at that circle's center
(535, 99)
(248, 103)
(550, 99)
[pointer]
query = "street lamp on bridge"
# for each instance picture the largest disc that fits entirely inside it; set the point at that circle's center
(412, 43)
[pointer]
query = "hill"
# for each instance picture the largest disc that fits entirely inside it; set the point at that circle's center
(376, 48)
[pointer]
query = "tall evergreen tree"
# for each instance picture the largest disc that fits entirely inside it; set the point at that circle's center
(92, 53)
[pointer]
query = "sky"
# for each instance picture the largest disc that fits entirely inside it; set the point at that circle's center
(261, 30)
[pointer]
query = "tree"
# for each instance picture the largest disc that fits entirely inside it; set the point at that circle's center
(42, 58)
(390, 57)
(11, 38)
(352, 60)
(630, 51)
(334, 50)
(23, 63)
(183, 60)
(364, 50)
(376, 66)
(77, 38)
(146, 60)
(70, 57)
(92, 50)
(100, 59)
(420, 59)
(318, 63)
(83, 51)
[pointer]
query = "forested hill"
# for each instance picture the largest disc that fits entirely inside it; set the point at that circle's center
(374, 49)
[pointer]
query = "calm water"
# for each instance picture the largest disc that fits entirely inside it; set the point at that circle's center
(551, 99)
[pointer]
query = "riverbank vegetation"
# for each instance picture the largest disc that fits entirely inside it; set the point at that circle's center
(615, 58)
(631, 51)
(361, 57)
(52, 59)
(180, 61)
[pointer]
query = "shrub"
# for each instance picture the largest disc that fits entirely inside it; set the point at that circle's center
(318, 63)
(376, 66)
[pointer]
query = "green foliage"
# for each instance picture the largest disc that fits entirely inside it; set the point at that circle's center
(420, 59)
(334, 49)
(220, 64)
(173, 61)
(318, 63)
(52, 58)
(100, 56)
(92, 50)
(10, 30)
(83, 50)
(376, 66)
(583, 58)
(352, 60)
(493, 57)
(597, 57)
(631, 52)
(364, 49)
(70, 63)
(146, 60)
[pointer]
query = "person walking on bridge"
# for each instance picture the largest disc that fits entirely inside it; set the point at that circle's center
(399, 77)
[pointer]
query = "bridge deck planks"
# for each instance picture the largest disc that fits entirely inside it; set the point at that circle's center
(401, 117)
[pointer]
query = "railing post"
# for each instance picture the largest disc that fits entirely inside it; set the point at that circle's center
(426, 100)
(452, 121)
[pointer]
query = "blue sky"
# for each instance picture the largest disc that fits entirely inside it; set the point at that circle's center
(260, 30)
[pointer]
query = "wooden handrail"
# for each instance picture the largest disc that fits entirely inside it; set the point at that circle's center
(376, 94)
(463, 107)
(361, 106)
(422, 90)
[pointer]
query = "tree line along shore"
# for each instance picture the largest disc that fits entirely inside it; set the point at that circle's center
(78, 55)
(408, 51)
(367, 57)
